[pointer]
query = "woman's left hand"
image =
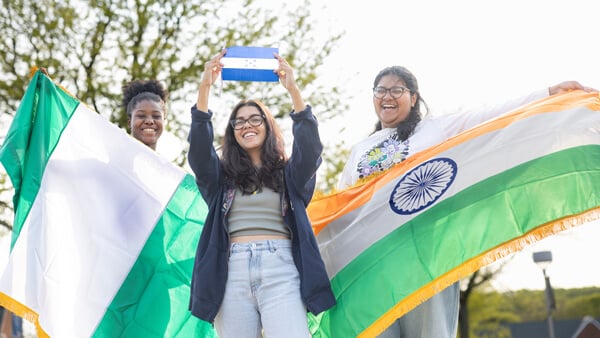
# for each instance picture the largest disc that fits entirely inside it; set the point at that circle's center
(285, 73)
(567, 86)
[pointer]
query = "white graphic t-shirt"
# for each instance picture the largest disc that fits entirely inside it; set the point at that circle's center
(381, 150)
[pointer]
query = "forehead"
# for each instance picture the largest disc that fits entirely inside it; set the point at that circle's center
(246, 111)
(149, 106)
(391, 81)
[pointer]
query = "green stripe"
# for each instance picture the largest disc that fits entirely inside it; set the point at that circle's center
(153, 300)
(475, 220)
(43, 114)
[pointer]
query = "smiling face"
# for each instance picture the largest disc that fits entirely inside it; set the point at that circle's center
(146, 122)
(392, 111)
(250, 138)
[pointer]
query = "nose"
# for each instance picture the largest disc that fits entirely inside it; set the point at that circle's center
(247, 123)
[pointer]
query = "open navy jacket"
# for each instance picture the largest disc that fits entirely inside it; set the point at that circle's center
(211, 264)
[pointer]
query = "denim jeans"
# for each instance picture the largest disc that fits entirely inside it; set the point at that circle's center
(435, 318)
(262, 294)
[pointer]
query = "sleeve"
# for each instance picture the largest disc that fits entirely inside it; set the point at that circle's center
(460, 121)
(347, 176)
(202, 155)
(306, 152)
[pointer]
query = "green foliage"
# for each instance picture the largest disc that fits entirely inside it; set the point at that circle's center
(491, 312)
(94, 47)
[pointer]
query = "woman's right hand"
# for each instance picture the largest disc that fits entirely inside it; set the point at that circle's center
(212, 69)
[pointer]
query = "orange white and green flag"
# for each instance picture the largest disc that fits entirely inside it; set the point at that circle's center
(105, 230)
(391, 243)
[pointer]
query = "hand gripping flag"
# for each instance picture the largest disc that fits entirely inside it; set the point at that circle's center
(250, 64)
(105, 230)
(396, 240)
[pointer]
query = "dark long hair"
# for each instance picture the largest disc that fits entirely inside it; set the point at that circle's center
(238, 166)
(406, 127)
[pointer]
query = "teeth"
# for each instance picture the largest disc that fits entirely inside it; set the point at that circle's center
(249, 134)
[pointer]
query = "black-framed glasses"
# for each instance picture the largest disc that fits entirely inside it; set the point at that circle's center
(254, 120)
(395, 92)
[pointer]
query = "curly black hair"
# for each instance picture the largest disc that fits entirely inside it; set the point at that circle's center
(139, 90)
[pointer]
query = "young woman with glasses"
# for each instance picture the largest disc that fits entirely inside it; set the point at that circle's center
(402, 130)
(258, 269)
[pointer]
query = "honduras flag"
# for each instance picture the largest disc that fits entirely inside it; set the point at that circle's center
(250, 64)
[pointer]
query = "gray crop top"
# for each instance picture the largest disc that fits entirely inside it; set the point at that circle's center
(257, 214)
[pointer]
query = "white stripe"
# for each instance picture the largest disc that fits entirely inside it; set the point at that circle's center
(101, 195)
(249, 63)
(478, 159)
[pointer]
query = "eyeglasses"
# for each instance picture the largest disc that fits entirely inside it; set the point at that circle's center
(396, 92)
(254, 120)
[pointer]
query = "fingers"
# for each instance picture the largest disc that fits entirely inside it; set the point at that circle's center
(212, 69)
(283, 69)
(567, 86)
(214, 64)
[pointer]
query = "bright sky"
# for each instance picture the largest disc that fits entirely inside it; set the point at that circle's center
(464, 54)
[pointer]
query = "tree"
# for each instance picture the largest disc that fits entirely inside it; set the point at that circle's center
(494, 311)
(478, 279)
(93, 47)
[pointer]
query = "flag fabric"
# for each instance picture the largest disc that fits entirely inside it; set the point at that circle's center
(250, 64)
(391, 243)
(105, 229)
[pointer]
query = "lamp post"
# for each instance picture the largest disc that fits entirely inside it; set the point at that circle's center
(543, 260)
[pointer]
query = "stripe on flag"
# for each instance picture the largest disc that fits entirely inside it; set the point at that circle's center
(250, 64)
(105, 229)
(446, 212)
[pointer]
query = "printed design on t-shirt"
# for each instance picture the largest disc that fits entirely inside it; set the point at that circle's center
(383, 156)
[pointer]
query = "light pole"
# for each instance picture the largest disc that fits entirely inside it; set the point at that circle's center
(543, 260)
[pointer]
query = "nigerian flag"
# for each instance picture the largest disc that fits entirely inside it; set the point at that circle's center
(391, 243)
(105, 230)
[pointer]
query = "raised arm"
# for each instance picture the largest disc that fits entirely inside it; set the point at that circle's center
(212, 69)
(288, 81)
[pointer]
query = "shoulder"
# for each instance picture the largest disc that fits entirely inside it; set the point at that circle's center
(373, 139)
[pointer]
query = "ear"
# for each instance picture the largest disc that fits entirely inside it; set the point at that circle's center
(413, 99)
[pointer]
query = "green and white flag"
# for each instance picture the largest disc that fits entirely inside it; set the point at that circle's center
(105, 229)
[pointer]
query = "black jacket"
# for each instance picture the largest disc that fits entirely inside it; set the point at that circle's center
(210, 267)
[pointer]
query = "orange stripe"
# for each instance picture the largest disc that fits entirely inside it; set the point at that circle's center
(323, 210)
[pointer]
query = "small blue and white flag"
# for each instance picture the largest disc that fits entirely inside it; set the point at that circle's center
(250, 64)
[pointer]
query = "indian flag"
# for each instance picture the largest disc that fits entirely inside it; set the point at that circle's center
(105, 230)
(391, 243)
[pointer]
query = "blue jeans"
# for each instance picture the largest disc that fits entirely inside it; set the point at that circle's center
(262, 294)
(436, 318)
